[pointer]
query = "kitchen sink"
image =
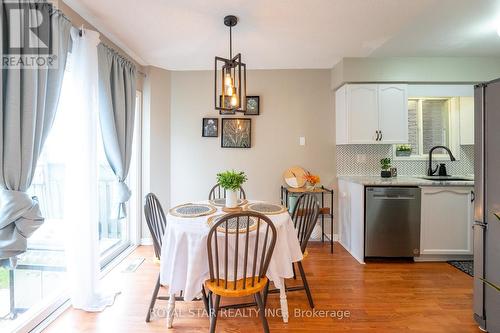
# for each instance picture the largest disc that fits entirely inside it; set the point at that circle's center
(446, 178)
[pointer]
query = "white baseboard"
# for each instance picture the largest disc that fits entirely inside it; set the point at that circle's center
(147, 241)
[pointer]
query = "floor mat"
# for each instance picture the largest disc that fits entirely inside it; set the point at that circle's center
(133, 264)
(466, 266)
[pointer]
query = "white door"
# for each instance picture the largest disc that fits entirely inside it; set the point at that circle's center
(446, 220)
(393, 113)
(362, 107)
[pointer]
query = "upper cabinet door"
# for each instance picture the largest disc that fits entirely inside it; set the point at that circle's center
(466, 120)
(341, 116)
(362, 112)
(393, 113)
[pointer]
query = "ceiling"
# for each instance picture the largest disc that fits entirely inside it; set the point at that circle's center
(272, 34)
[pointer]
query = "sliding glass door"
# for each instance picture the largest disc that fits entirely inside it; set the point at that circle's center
(31, 291)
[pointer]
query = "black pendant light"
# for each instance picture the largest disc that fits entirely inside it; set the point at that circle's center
(230, 77)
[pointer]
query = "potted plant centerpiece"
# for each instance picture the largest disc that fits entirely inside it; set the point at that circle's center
(403, 150)
(231, 181)
(385, 164)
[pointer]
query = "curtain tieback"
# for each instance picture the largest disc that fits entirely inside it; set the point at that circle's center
(20, 217)
(123, 195)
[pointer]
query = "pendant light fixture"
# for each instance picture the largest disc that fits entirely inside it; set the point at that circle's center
(230, 77)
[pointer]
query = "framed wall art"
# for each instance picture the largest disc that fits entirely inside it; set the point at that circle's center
(236, 133)
(210, 127)
(253, 106)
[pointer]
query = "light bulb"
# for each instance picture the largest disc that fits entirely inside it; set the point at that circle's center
(229, 90)
(234, 100)
(228, 81)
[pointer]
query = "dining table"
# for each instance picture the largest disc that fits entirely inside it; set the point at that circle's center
(184, 259)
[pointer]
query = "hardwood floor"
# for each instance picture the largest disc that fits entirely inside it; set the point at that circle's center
(378, 297)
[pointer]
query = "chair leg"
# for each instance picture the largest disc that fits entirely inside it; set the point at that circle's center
(266, 292)
(213, 313)
(293, 268)
(205, 299)
(262, 312)
(153, 299)
(306, 285)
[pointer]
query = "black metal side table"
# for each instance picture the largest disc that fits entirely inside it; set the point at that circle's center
(325, 212)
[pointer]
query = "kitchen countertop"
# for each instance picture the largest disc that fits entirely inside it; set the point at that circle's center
(405, 181)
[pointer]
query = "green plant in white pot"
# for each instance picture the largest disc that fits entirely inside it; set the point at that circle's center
(231, 181)
(403, 150)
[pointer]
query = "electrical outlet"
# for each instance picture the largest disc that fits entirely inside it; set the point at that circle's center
(302, 140)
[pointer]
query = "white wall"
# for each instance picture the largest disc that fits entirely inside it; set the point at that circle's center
(293, 103)
(156, 137)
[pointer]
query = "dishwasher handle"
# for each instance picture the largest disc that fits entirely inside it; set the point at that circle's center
(393, 197)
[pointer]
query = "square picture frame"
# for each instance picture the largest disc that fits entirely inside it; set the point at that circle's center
(227, 106)
(210, 127)
(253, 106)
(236, 133)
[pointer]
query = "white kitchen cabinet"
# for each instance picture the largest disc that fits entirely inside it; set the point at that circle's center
(446, 221)
(344, 215)
(362, 115)
(466, 120)
(371, 114)
(393, 113)
(351, 218)
(341, 116)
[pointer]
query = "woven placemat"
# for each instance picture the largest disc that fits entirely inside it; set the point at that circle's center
(231, 228)
(266, 208)
(192, 210)
(221, 202)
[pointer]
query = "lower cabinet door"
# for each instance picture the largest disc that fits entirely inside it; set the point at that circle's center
(446, 221)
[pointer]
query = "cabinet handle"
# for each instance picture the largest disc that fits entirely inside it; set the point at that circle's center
(378, 135)
(472, 196)
(381, 136)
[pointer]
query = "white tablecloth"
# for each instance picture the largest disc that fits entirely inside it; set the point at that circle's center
(184, 259)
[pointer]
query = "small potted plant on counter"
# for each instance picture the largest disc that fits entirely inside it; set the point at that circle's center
(403, 150)
(385, 164)
(231, 181)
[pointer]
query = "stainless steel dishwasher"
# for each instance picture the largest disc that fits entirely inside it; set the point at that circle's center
(392, 222)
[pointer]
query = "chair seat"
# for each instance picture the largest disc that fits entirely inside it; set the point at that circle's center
(230, 291)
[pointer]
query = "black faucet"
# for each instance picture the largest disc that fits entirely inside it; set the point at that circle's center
(431, 172)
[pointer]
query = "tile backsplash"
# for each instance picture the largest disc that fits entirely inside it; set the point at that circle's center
(365, 160)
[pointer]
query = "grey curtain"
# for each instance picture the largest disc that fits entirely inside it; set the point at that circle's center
(117, 88)
(29, 98)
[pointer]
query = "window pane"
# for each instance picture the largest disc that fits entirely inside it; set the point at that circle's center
(41, 271)
(110, 228)
(413, 131)
(435, 124)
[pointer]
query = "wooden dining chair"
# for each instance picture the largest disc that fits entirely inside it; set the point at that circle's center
(217, 192)
(242, 271)
(157, 223)
(304, 216)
